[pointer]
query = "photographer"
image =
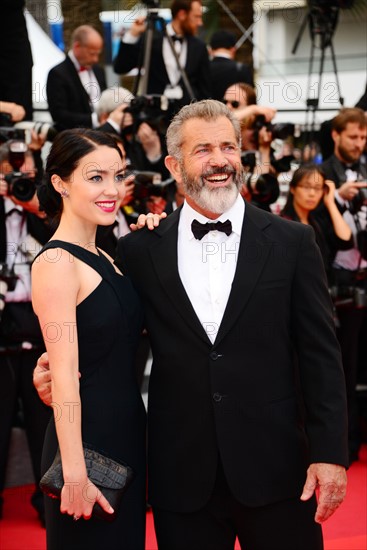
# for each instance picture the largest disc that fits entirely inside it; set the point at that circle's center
(349, 131)
(22, 232)
(257, 134)
(165, 77)
(140, 124)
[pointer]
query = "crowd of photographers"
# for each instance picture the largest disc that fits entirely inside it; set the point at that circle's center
(331, 197)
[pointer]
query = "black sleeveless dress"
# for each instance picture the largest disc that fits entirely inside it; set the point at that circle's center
(109, 323)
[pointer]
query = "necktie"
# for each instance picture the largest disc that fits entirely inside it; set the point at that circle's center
(201, 229)
(81, 68)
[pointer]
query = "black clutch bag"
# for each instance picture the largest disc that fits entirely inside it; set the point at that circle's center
(111, 477)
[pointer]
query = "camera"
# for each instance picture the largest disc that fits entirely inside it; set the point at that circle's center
(281, 130)
(152, 109)
(263, 188)
(44, 129)
(359, 200)
(150, 184)
(20, 184)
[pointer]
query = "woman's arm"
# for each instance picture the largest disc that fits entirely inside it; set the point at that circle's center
(341, 228)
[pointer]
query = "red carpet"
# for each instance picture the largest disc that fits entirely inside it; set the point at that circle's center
(346, 530)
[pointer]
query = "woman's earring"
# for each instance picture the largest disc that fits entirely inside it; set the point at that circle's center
(64, 193)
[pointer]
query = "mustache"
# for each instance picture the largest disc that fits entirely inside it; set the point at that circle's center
(228, 170)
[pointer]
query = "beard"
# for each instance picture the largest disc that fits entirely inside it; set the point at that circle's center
(216, 200)
(348, 156)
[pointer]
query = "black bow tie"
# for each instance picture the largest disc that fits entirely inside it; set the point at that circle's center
(176, 38)
(354, 166)
(201, 229)
(13, 210)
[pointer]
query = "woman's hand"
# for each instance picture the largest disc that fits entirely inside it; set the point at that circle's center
(329, 193)
(150, 220)
(79, 497)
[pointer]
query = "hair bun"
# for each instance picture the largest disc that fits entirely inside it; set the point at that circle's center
(49, 199)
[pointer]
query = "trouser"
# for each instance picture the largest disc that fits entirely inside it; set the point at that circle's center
(286, 525)
(16, 370)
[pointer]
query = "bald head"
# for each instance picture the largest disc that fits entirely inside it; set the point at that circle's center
(87, 45)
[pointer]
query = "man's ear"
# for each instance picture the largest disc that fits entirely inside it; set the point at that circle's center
(334, 135)
(173, 165)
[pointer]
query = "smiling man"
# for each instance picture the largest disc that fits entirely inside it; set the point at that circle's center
(247, 409)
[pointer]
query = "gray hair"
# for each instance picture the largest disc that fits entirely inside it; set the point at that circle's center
(208, 110)
(111, 98)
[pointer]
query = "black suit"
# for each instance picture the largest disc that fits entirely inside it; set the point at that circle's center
(239, 398)
(196, 68)
(224, 72)
(68, 101)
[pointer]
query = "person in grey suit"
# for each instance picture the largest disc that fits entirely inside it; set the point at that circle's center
(74, 86)
(164, 74)
(247, 406)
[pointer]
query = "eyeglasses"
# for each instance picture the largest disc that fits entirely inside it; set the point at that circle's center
(235, 104)
(308, 188)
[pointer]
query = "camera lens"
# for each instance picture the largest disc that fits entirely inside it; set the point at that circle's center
(22, 188)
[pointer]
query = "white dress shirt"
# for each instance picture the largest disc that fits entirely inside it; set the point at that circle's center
(172, 69)
(207, 266)
(172, 91)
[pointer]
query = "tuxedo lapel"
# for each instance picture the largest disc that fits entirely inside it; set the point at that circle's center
(164, 258)
(252, 256)
(79, 88)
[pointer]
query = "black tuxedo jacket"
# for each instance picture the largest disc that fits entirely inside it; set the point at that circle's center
(224, 72)
(196, 68)
(334, 170)
(268, 396)
(67, 99)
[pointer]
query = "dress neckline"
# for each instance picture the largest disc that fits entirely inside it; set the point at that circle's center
(99, 253)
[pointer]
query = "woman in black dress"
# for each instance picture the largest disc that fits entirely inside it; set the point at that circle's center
(91, 321)
(308, 190)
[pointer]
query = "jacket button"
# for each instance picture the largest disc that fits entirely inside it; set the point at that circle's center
(217, 397)
(213, 355)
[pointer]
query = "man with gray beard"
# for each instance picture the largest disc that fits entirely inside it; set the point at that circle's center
(247, 407)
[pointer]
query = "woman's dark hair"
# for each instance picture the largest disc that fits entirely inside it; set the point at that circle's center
(302, 172)
(68, 148)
